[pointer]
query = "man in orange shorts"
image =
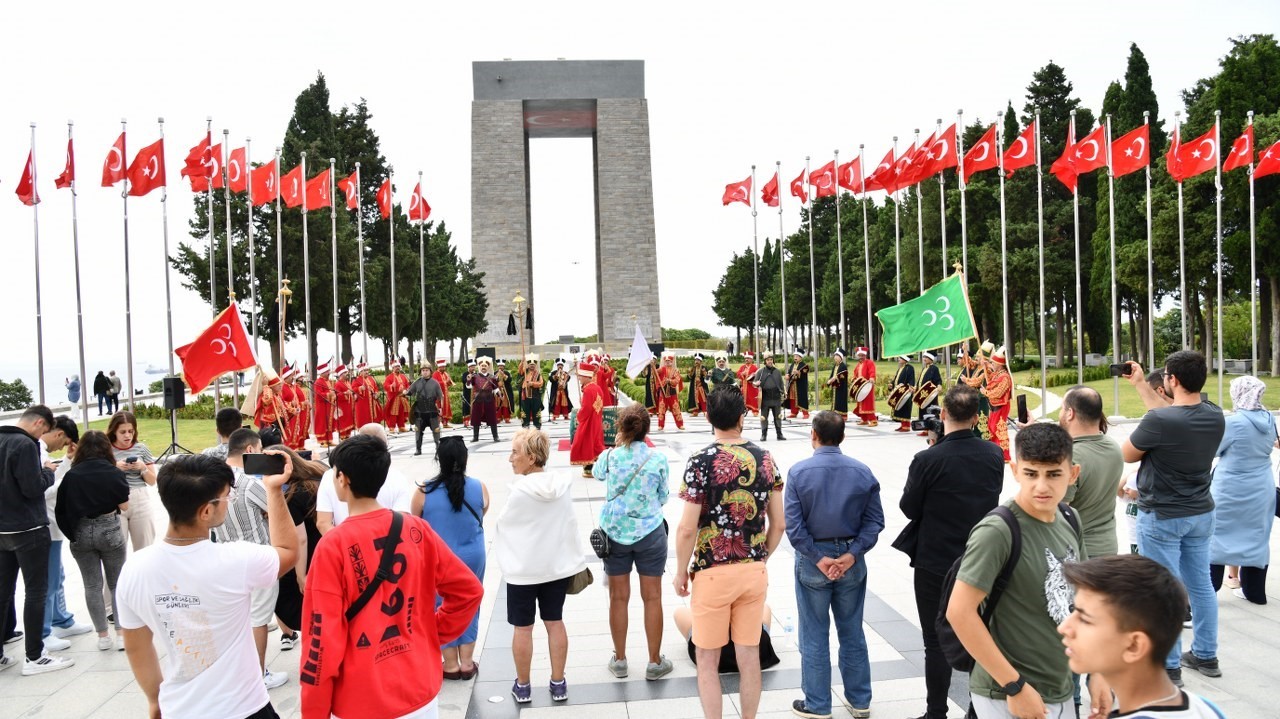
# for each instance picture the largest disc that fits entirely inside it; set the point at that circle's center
(725, 534)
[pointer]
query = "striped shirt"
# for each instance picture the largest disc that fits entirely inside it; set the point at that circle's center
(247, 513)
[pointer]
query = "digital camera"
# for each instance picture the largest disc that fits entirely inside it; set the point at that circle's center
(930, 422)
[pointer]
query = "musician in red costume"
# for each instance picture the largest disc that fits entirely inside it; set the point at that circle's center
(300, 423)
(344, 412)
(397, 410)
(864, 367)
(365, 387)
(670, 383)
(588, 438)
(750, 392)
(609, 377)
(289, 402)
(999, 390)
(443, 379)
(269, 410)
(324, 398)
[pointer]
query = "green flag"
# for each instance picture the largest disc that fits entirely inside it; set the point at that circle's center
(939, 317)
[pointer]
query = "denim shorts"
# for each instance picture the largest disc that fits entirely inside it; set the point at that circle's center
(649, 555)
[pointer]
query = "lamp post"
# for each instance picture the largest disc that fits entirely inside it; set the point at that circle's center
(519, 302)
(283, 298)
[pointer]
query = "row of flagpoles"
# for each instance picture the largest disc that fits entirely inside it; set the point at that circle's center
(208, 169)
(943, 150)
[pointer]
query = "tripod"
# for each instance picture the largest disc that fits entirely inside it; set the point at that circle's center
(174, 448)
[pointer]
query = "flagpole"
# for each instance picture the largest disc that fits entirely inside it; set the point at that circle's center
(920, 220)
(75, 250)
(782, 254)
(391, 236)
(1115, 306)
(128, 292)
(253, 273)
(1044, 318)
(1253, 264)
(813, 282)
(306, 262)
(281, 298)
(1151, 282)
(364, 329)
(964, 215)
(35, 219)
(839, 253)
(1004, 240)
(422, 275)
(1217, 191)
(333, 246)
(231, 280)
(213, 265)
(1075, 211)
(1182, 252)
(164, 219)
(897, 243)
(755, 260)
(866, 250)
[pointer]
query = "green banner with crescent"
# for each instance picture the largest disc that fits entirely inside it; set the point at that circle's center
(939, 317)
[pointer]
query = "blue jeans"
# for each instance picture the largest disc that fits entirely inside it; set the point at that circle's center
(55, 603)
(1182, 546)
(817, 600)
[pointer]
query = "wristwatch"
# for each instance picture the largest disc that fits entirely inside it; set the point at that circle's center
(1013, 687)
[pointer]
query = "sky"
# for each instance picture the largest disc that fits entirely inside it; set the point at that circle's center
(728, 85)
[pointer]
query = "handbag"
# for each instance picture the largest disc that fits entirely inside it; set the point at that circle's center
(600, 542)
(580, 581)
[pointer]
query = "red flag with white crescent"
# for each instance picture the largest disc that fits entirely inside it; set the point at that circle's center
(68, 175)
(27, 185)
(878, 177)
(1064, 168)
(237, 173)
(1022, 153)
(849, 175)
(1268, 162)
(940, 155)
(419, 210)
(823, 180)
(737, 192)
(1241, 152)
(1199, 155)
(146, 172)
(318, 194)
(113, 168)
(264, 184)
(1091, 152)
(1131, 152)
(223, 347)
(291, 188)
(351, 188)
(769, 193)
(797, 188)
(384, 198)
(982, 156)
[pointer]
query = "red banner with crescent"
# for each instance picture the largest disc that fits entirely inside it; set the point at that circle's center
(223, 347)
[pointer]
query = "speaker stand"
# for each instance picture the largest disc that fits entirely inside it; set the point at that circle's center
(174, 448)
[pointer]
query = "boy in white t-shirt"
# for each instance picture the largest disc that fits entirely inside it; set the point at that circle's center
(396, 493)
(194, 595)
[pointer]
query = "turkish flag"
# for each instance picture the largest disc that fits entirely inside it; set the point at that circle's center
(1199, 155)
(797, 188)
(113, 167)
(223, 347)
(893, 179)
(983, 155)
(941, 155)
(291, 188)
(1131, 152)
(1091, 152)
(913, 169)
(215, 166)
(384, 198)
(237, 173)
(419, 210)
(823, 180)
(319, 191)
(264, 184)
(196, 165)
(27, 185)
(737, 192)
(351, 188)
(1268, 162)
(849, 175)
(876, 180)
(1022, 153)
(1064, 168)
(68, 175)
(769, 193)
(146, 172)
(1241, 154)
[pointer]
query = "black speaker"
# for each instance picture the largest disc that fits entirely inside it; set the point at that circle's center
(175, 393)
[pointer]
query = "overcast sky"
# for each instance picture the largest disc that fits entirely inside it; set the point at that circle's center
(728, 84)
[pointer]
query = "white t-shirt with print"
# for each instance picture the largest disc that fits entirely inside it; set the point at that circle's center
(196, 600)
(396, 494)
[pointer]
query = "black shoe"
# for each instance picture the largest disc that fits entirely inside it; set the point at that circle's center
(1207, 667)
(799, 709)
(781, 438)
(1175, 676)
(417, 453)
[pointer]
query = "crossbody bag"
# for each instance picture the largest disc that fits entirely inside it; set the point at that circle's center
(600, 542)
(384, 567)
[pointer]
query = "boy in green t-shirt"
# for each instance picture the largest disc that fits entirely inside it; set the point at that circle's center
(1126, 616)
(1020, 668)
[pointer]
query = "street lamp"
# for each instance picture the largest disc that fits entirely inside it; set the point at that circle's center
(283, 298)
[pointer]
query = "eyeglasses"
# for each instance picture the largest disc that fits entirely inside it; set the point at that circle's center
(231, 497)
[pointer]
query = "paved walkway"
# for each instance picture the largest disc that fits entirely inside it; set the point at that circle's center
(100, 685)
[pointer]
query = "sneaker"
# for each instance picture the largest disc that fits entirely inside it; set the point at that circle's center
(523, 693)
(106, 644)
(273, 627)
(1207, 667)
(1175, 676)
(799, 709)
(16, 636)
(6, 662)
(559, 690)
(618, 667)
(861, 713)
(56, 644)
(274, 679)
(657, 671)
(288, 641)
(46, 663)
(1238, 593)
(72, 630)
(1232, 582)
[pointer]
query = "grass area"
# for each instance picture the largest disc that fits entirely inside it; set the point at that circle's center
(194, 434)
(1131, 405)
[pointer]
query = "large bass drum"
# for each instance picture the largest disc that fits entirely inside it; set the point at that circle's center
(900, 396)
(927, 394)
(861, 388)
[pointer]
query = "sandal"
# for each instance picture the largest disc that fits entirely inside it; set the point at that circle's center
(453, 675)
(465, 675)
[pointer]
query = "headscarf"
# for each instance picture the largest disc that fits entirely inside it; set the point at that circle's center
(1246, 392)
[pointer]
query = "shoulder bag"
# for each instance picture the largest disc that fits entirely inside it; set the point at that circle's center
(600, 542)
(384, 567)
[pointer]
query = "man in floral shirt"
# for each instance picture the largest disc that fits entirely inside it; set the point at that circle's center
(732, 521)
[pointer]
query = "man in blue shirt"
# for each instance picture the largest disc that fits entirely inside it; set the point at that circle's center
(834, 517)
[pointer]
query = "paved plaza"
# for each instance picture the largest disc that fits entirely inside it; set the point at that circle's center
(101, 685)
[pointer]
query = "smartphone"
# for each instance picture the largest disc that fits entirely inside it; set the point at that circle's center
(263, 464)
(1124, 369)
(1023, 416)
(131, 460)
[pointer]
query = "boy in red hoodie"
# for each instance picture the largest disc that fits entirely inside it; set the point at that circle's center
(384, 661)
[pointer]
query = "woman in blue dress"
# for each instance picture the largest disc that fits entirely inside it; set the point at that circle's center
(454, 505)
(1244, 493)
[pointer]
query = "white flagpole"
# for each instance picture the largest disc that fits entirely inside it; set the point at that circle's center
(866, 250)
(306, 262)
(1217, 194)
(755, 259)
(226, 201)
(422, 273)
(75, 249)
(164, 218)
(35, 220)
(253, 273)
(1044, 317)
(964, 215)
(1075, 211)
(1182, 252)
(920, 220)
(213, 265)
(813, 282)
(1151, 281)
(782, 255)
(391, 236)
(897, 242)
(364, 328)
(1115, 306)
(839, 254)
(280, 300)
(942, 211)
(1004, 241)
(1253, 268)
(333, 246)
(128, 292)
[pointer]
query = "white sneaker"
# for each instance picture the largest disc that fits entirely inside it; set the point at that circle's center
(274, 679)
(46, 663)
(72, 630)
(6, 662)
(56, 644)
(273, 627)
(106, 644)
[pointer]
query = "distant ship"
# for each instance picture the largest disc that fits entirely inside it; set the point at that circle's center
(152, 369)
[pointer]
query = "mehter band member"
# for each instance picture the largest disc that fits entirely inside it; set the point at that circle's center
(485, 389)
(750, 392)
(798, 384)
(839, 384)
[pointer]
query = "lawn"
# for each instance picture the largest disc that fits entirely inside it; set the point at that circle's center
(1131, 405)
(194, 434)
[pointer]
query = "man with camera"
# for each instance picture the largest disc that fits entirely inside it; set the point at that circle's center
(950, 487)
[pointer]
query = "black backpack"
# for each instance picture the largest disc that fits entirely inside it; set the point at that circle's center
(957, 656)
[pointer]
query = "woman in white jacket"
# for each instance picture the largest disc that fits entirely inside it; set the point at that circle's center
(538, 551)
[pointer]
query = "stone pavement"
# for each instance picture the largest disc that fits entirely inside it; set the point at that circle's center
(101, 685)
